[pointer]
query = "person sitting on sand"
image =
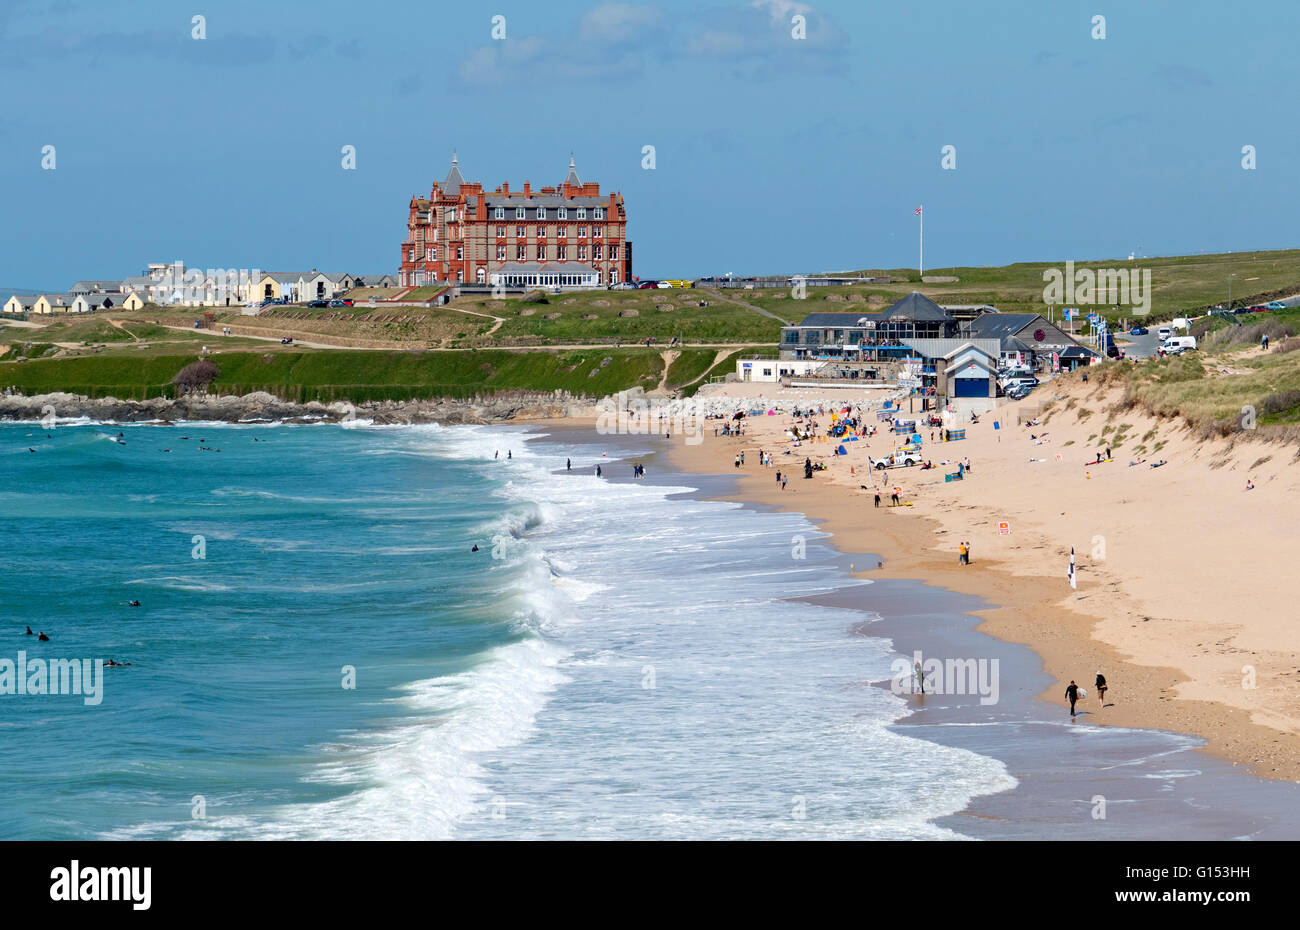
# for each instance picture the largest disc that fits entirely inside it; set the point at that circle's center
(1250, 485)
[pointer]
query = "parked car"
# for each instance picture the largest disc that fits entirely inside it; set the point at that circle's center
(623, 286)
(1241, 310)
(318, 303)
(1259, 308)
(341, 302)
(1176, 344)
(1138, 331)
(666, 284)
(1275, 305)
(647, 284)
(1164, 333)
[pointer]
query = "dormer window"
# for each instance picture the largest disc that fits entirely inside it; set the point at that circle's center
(598, 213)
(541, 213)
(519, 213)
(562, 213)
(501, 213)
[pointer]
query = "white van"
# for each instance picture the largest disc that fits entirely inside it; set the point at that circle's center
(1164, 333)
(1177, 344)
(1181, 323)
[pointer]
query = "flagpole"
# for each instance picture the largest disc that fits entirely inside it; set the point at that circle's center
(921, 259)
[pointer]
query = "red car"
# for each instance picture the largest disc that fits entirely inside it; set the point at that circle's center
(1259, 308)
(647, 284)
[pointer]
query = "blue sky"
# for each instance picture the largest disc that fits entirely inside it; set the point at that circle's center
(772, 154)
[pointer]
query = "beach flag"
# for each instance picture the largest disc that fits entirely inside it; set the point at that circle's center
(1073, 581)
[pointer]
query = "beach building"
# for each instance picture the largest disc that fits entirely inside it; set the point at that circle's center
(462, 233)
(324, 285)
(374, 280)
(1072, 357)
(873, 336)
(1027, 337)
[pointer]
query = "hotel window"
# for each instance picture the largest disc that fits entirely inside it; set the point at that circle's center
(582, 213)
(541, 232)
(500, 213)
(501, 232)
(613, 276)
(541, 253)
(582, 232)
(521, 253)
(411, 257)
(519, 213)
(451, 215)
(460, 253)
(613, 253)
(520, 232)
(562, 252)
(501, 253)
(598, 213)
(428, 254)
(562, 213)
(562, 232)
(595, 252)
(541, 213)
(598, 232)
(582, 253)
(433, 253)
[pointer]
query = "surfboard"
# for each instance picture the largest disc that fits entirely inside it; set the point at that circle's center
(1082, 694)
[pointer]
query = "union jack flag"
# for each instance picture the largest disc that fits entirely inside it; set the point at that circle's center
(917, 212)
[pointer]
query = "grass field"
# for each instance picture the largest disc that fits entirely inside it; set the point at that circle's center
(359, 376)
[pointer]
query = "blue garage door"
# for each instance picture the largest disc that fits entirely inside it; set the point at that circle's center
(971, 387)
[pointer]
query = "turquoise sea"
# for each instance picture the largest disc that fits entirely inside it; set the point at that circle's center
(617, 659)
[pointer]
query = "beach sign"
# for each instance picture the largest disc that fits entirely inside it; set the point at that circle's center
(1004, 528)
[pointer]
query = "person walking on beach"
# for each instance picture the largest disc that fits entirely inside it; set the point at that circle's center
(893, 499)
(1101, 689)
(568, 464)
(1072, 695)
(783, 481)
(962, 554)
(877, 500)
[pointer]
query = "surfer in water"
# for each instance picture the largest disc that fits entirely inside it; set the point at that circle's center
(29, 632)
(132, 603)
(475, 548)
(42, 637)
(1072, 695)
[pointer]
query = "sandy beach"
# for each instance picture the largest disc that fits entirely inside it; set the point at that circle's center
(1181, 597)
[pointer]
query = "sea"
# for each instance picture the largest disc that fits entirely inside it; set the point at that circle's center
(320, 652)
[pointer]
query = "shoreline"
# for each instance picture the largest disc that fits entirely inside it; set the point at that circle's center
(1032, 608)
(1150, 776)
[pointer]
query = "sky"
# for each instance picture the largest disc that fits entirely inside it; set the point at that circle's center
(772, 153)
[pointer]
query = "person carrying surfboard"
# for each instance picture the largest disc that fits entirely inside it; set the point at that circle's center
(1072, 695)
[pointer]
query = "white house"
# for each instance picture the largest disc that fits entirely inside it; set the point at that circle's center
(20, 303)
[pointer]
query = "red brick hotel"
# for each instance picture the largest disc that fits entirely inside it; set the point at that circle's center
(563, 236)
